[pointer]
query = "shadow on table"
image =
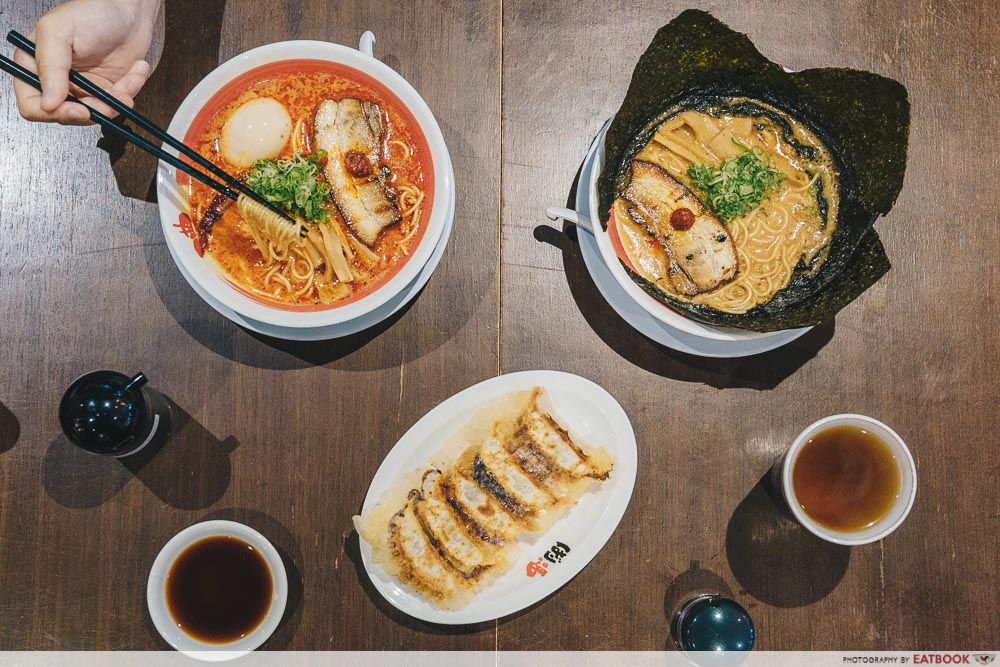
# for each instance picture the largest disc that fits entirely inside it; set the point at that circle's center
(352, 547)
(190, 51)
(287, 546)
(774, 558)
(362, 351)
(78, 479)
(693, 581)
(10, 429)
(189, 470)
(761, 371)
(322, 352)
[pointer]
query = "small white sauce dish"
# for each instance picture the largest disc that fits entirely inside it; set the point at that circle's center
(157, 602)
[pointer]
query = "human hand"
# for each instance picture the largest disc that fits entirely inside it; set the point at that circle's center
(104, 40)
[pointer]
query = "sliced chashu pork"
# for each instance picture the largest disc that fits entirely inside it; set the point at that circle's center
(350, 131)
(705, 254)
(651, 259)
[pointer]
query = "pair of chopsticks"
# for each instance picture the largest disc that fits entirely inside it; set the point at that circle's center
(229, 186)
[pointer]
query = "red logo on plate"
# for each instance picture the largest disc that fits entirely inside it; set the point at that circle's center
(554, 555)
(539, 567)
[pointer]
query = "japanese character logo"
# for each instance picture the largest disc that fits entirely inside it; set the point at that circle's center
(557, 553)
(540, 566)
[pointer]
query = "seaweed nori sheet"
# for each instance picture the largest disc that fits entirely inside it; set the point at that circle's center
(863, 118)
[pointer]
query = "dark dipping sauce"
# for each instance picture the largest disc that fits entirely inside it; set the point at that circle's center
(846, 478)
(219, 589)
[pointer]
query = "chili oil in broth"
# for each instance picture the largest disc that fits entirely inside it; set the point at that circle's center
(300, 88)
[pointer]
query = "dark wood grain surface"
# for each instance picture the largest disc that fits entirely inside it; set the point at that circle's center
(286, 436)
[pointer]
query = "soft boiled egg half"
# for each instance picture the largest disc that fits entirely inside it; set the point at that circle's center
(257, 130)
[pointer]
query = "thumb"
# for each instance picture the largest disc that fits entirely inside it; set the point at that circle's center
(54, 57)
(126, 88)
(135, 78)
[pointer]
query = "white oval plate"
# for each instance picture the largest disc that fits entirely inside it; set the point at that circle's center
(590, 413)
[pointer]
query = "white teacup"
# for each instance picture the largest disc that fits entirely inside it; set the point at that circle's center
(156, 591)
(907, 481)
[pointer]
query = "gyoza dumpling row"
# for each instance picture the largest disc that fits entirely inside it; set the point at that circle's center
(457, 532)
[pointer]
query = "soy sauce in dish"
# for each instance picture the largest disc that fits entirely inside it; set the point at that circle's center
(846, 478)
(219, 589)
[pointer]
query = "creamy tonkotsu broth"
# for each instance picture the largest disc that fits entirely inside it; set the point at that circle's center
(790, 229)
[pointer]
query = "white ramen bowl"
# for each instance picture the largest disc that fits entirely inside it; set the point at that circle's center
(657, 309)
(173, 199)
(156, 591)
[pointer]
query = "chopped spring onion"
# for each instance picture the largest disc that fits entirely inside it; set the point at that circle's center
(738, 185)
(294, 185)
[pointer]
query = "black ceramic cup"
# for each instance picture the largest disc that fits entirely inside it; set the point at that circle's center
(111, 414)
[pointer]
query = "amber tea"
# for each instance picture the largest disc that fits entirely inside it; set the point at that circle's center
(846, 478)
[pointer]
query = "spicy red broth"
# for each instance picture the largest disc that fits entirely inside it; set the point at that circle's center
(300, 86)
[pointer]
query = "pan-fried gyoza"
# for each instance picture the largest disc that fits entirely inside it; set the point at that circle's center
(448, 530)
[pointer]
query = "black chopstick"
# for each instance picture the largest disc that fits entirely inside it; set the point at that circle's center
(29, 77)
(26, 45)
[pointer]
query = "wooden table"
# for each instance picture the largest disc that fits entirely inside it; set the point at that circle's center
(286, 436)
